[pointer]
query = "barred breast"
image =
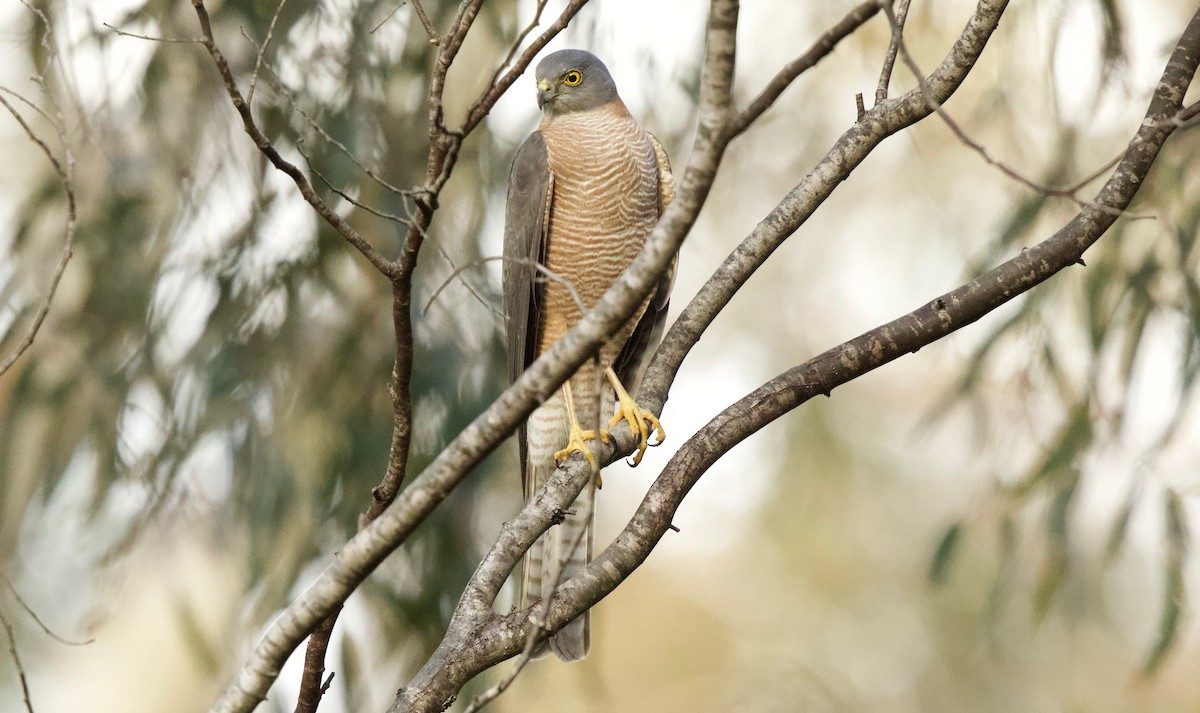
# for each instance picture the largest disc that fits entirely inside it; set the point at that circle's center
(605, 203)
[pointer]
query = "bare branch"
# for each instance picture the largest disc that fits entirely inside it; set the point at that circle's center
(889, 59)
(262, 49)
(537, 633)
(66, 172)
(545, 271)
(481, 106)
(16, 658)
(151, 38)
(936, 106)
(516, 43)
(311, 688)
(824, 45)
(424, 19)
(882, 121)
(33, 615)
(382, 264)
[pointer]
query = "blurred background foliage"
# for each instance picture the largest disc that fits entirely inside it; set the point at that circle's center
(1000, 522)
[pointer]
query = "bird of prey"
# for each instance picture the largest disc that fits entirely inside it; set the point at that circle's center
(584, 192)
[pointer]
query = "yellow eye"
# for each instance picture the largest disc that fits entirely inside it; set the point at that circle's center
(572, 78)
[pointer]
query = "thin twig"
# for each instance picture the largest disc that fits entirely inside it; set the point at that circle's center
(66, 172)
(262, 49)
(12, 650)
(889, 59)
(151, 38)
(424, 19)
(783, 79)
(382, 264)
(545, 271)
(1067, 193)
(329, 138)
(400, 220)
(33, 615)
(481, 106)
(516, 44)
(344, 195)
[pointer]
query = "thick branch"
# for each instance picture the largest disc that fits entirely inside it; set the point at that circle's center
(883, 120)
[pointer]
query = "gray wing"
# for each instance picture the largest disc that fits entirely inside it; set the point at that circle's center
(526, 224)
(636, 353)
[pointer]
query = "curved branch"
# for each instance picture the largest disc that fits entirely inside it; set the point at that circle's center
(883, 120)
(66, 174)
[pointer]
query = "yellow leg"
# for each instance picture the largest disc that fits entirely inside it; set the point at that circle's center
(641, 422)
(577, 438)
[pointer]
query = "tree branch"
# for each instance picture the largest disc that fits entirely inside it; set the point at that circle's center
(824, 45)
(889, 60)
(882, 121)
(66, 174)
(16, 659)
(37, 619)
(373, 256)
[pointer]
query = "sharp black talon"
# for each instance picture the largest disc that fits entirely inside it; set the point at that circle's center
(1080, 261)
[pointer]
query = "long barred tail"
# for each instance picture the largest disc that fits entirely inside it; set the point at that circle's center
(568, 546)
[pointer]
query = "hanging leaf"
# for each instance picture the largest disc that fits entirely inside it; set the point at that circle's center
(1174, 591)
(1008, 537)
(1120, 527)
(1056, 564)
(944, 553)
(1074, 436)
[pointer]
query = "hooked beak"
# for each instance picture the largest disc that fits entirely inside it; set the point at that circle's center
(545, 93)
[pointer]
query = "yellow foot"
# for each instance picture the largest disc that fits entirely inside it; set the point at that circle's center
(641, 422)
(577, 441)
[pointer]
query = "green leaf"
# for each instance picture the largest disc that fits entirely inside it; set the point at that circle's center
(1074, 436)
(1174, 591)
(1057, 562)
(1120, 527)
(1008, 537)
(944, 553)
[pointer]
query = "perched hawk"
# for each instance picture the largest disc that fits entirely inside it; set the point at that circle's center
(584, 192)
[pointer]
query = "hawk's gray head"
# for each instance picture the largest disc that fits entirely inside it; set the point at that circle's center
(573, 80)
